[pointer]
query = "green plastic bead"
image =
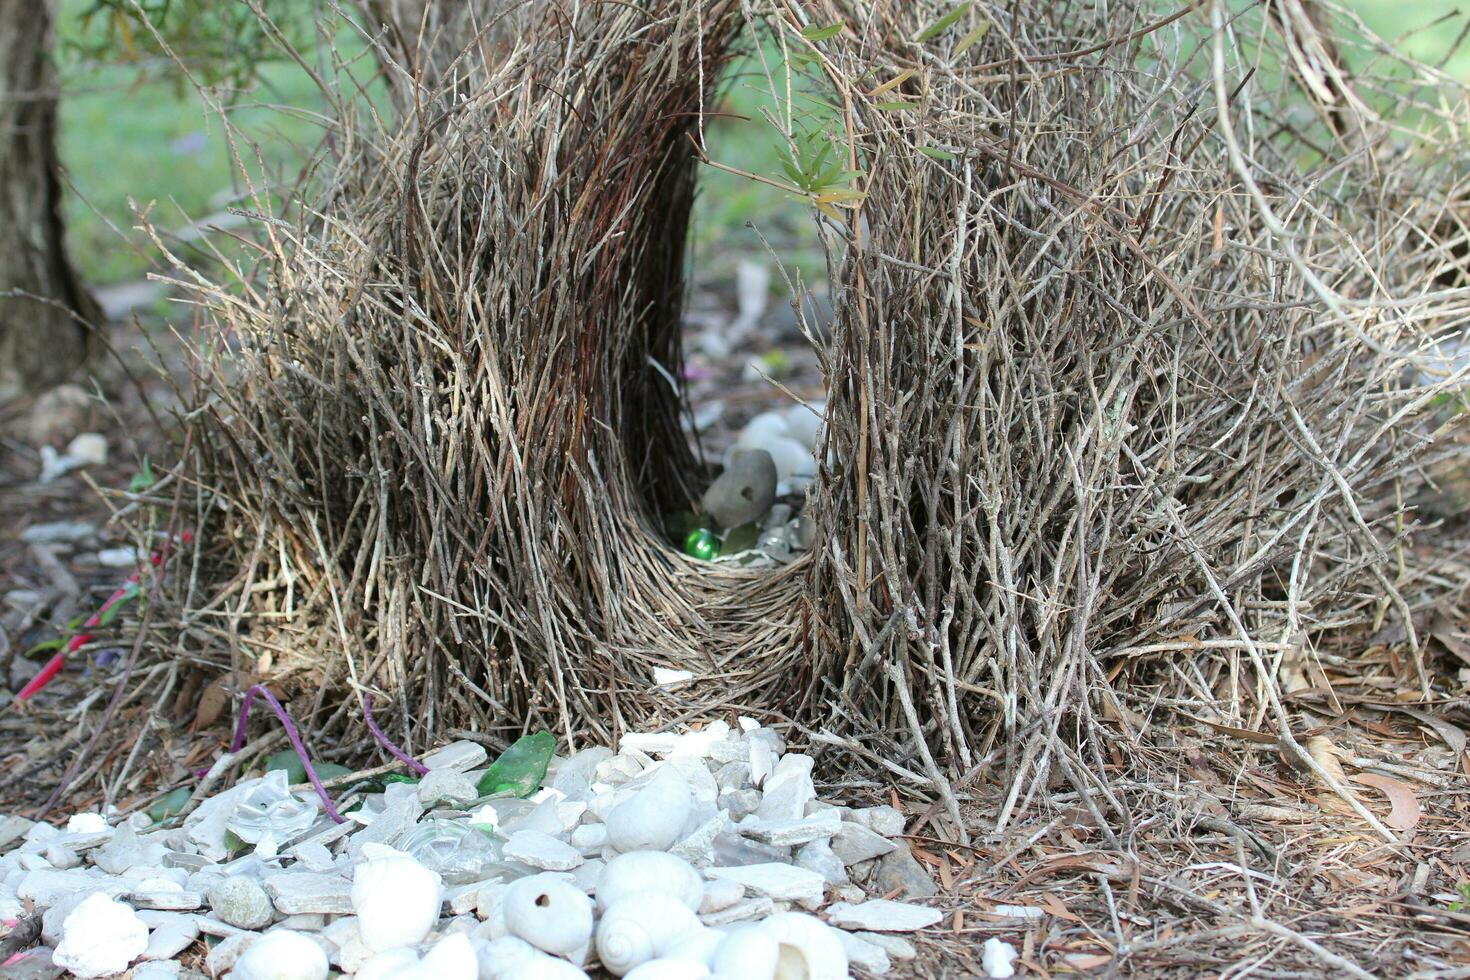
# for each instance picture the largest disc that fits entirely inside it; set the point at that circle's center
(702, 544)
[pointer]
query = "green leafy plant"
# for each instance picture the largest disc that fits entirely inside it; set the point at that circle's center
(1463, 902)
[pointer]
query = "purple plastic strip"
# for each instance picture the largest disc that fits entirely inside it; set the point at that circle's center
(291, 734)
(393, 750)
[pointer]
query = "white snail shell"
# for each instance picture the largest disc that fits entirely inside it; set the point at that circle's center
(750, 951)
(807, 948)
(550, 913)
(656, 871)
(639, 927)
(509, 958)
(653, 818)
(697, 944)
(670, 969)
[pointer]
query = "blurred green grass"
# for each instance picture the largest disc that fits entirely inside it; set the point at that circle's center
(123, 136)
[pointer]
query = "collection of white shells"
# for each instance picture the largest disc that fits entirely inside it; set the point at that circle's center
(685, 856)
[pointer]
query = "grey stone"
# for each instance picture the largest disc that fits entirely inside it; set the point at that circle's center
(720, 895)
(854, 843)
(461, 756)
(744, 492)
(294, 892)
(303, 922)
(313, 856)
(896, 947)
(186, 861)
(788, 789)
(740, 803)
(541, 851)
(169, 934)
(127, 850)
(900, 872)
(882, 915)
(744, 910)
(13, 829)
(58, 532)
(163, 969)
(460, 899)
(864, 955)
(448, 786)
(589, 838)
(733, 775)
(34, 964)
(174, 899)
(573, 778)
(698, 847)
(34, 862)
(883, 820)
(817, 856)
(46, 886)
(62, 857)
(791, 832)
(223, 956)
(778, 881)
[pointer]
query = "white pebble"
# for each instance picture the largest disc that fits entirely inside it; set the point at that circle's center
(100, 936)
(397, 901)
(282, 955)
(997, 958)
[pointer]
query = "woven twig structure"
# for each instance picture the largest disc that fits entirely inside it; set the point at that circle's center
(1122, 383)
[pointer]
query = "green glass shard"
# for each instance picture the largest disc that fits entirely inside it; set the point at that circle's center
(741, 538)
(520, 768)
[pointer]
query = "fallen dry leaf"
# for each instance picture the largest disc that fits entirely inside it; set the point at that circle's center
(1325, 753)
(1405, 811)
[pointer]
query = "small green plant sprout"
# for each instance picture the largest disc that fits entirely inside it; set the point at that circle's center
(1463, 902)
(821, 179)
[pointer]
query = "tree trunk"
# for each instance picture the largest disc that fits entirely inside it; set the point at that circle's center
(42, 339)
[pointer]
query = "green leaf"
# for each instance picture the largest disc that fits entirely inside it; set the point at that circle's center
(129, 593)
(288, 760)
(46, 647)
(944, 23)
(143, 479)
(520, 768)
(823, 33)
(981, 29)
(168, 804)
(898, 105)
(935, 153)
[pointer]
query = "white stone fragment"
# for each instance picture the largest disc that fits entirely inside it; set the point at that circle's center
(86, 823)
(101, 936)
(779, 881)
(788, 789)
(881, 915)
(541, 851)
(864, 955)
(669, 677)
(461, 756)
(791, 832)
